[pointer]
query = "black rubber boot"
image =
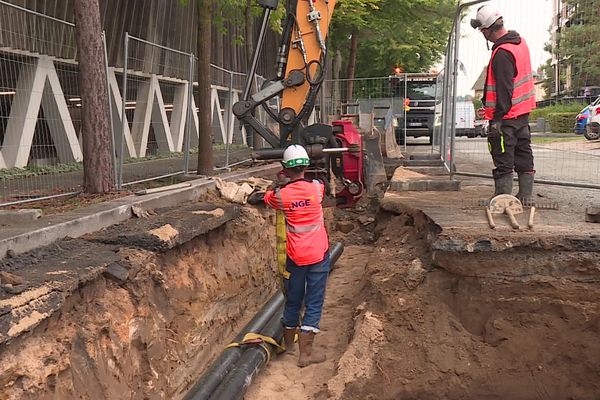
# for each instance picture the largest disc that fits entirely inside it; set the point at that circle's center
(526, 188)
(503, 185)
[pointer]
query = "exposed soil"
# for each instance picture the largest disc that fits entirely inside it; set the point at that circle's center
(63, 204)
(78, 332)
(405, 317)
(520, 324)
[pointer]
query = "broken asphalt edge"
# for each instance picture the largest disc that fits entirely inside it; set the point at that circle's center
(117, 211)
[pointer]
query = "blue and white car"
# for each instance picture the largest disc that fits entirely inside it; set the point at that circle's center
(592, 127)
(582, 120)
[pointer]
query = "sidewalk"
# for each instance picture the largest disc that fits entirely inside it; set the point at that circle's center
(19, 239)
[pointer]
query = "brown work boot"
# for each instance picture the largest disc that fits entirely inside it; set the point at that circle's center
(289, 337)
(305, 342)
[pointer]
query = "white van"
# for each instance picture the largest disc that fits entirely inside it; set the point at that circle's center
(465, 120)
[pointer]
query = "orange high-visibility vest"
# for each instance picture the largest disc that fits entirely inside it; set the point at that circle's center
(523, 98)
(300, 201)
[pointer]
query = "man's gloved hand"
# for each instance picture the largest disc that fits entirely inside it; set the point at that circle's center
(495, 129)
(256, 198)
(281, 179)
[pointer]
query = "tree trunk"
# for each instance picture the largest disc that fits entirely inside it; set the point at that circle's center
(205, 152)
(337, 68)
(351, 65)
(98, 174)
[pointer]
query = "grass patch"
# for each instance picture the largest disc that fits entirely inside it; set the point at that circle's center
(31, 171)
(15, 173)
(549, 139)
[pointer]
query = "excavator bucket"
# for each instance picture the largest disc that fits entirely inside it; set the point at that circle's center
(389, 146)
(375, 175)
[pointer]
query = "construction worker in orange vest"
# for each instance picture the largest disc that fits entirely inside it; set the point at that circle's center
(307, 251)
(509, 97)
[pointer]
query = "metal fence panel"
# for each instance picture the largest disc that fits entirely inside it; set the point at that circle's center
(413, 99)
(155, 98)
(564, 75)
(39, 107)
(152, 110)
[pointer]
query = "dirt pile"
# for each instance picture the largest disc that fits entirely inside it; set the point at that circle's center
(147, 336)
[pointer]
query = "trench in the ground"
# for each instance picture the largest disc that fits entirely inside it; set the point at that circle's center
(522, 323)
(400, 322)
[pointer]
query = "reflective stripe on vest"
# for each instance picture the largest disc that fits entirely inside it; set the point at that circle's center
(523, 98)
(304, 228)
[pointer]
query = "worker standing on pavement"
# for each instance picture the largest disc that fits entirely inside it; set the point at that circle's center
(307, 251)
(508, 98)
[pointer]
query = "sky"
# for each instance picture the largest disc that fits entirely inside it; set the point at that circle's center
(530, 18)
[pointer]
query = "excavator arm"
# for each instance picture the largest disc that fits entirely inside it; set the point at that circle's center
(299, 74)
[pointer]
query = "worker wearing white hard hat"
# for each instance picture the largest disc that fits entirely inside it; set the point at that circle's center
(307, 250)
(508, 98)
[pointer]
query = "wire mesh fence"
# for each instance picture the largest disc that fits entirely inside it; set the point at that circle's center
(153, 110)
(561, 40)
(39, 106)
(156, 102)
(413, 99)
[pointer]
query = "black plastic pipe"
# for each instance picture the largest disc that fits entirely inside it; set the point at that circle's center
(223, 364)
(221, 367)
(234, 383)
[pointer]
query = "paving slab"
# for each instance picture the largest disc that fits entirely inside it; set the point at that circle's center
(19, 217)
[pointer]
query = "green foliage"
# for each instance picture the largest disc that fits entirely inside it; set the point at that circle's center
(231, 12)
(411, 34)
(16, 173)
(550, 139)
(579, 47)
(571, 108)
(562, 122)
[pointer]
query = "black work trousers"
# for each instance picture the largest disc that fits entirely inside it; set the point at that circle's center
(511, 147)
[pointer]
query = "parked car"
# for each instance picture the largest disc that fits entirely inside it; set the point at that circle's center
(592, 127)
(582, 120)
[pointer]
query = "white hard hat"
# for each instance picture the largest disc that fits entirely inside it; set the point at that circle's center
(294, 156)
(486, 16)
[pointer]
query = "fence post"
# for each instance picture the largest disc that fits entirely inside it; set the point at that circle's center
(454, 84)
(110, 112)
(404, 108)
(230, 120)
(190, 115)
(123, 104)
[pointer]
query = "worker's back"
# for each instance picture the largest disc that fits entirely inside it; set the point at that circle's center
(307, 240)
